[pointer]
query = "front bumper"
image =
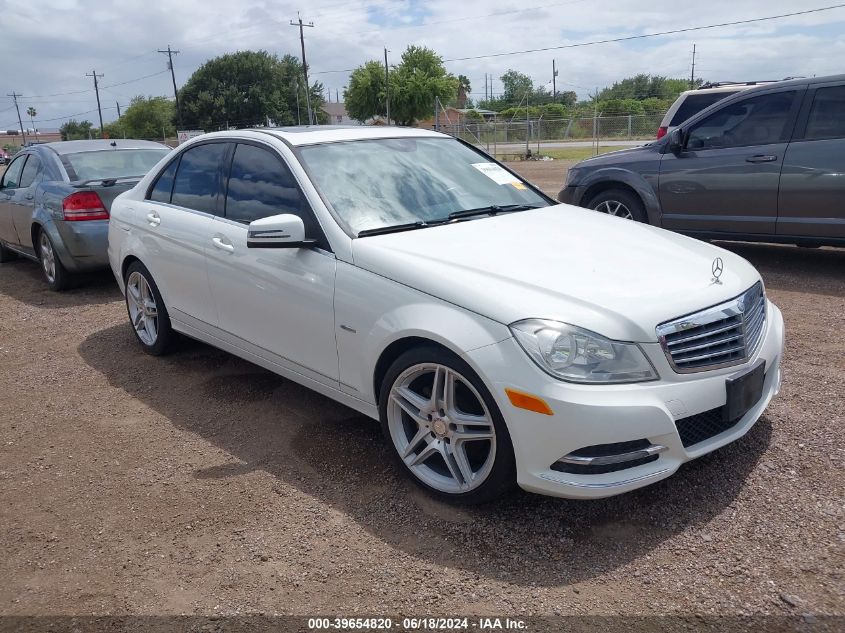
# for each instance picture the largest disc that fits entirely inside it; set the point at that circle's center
(571, 194)
(589, 415)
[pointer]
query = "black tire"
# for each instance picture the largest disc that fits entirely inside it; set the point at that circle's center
(165, 336)
(501, 478)
(7, 255)
(629, 200)
(55, 274)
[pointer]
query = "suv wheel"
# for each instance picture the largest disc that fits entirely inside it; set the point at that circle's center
(619, 203)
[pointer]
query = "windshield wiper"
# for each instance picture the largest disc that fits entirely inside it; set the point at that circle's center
(493, 209)
(397, 228)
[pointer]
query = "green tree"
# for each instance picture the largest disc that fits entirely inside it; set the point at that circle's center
(364, 98)
(246, 89)
(74, 130)
(568, 98)
(464, 89)
(645, 86)
(146, 117)
(516, 84)
(415, 82)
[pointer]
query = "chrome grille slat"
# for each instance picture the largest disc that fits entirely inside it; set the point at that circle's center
(685, 339)
(723, 335)
(692, 348)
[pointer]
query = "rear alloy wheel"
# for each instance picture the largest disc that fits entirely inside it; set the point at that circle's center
(57, 276)
(445, 428)
(147, 312)
(618, 203)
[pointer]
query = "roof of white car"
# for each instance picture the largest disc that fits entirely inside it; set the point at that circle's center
(310, 135)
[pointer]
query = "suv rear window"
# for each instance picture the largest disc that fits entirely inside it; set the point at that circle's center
(694, 104)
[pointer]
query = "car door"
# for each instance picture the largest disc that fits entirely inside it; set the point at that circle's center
(725, 177)
(24, 201)
(278, 300)
(9, 186)
(811, 200)
(175, 224)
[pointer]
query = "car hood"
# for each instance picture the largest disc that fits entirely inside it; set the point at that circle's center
(613, 276)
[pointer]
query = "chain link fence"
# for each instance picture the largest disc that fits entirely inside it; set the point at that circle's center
(534, 131)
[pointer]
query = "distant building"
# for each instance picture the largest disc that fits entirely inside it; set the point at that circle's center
(337, 114)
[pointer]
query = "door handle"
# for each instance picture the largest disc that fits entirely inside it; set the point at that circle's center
(223, 244)
(761, 158)
(153, 218)
(30, 196)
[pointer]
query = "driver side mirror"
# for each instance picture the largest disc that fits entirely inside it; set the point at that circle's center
(278, 231)
(676, 140)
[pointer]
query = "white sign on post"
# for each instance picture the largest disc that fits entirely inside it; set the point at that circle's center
(185, 135)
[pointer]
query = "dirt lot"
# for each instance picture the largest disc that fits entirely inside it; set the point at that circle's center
(199, 483)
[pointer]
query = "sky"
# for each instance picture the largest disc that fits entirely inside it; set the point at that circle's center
(48, 46)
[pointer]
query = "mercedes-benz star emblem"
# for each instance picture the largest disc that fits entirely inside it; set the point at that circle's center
(717, 268)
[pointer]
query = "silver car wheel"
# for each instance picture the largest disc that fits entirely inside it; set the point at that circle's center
(614, 207)
(441, 428)
(143, 311)
(48, 258)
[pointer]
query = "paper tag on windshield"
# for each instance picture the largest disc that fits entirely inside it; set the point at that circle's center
(495, 173)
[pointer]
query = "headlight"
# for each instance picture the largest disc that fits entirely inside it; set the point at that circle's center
(577, 355)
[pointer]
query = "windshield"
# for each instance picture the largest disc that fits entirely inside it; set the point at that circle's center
(112, 163)
(378, 183)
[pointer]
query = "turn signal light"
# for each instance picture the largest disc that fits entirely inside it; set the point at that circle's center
(84, 205)
(661, 131)
(529, 402)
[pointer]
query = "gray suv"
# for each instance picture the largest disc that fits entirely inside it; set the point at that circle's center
(766, 164)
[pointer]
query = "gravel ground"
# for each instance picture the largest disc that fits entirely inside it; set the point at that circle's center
(199, 483)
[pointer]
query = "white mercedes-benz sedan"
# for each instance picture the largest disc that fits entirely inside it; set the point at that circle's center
(500, 338)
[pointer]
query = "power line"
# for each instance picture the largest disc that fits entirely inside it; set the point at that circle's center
(646, 35)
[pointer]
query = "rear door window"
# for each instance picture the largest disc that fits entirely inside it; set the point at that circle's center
(827, 115)
(695, 103)
(30, 171)
(163, 187)
(197, 180)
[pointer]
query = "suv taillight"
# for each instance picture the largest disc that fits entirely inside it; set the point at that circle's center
(84, 205)
(661, 131)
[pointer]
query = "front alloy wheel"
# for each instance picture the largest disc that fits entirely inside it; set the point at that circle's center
(616, 208)
(445, 433)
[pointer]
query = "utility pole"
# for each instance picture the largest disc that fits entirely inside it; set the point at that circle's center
(170, 53)
(386, 86)
(300, 24)
(692, 73)
(554, 82)
(118, 109)
(486, 98)
(99, 109)
(336, 95)
(15, 95)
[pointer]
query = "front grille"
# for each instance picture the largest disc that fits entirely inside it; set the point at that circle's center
(702, 426)
(726, 334)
